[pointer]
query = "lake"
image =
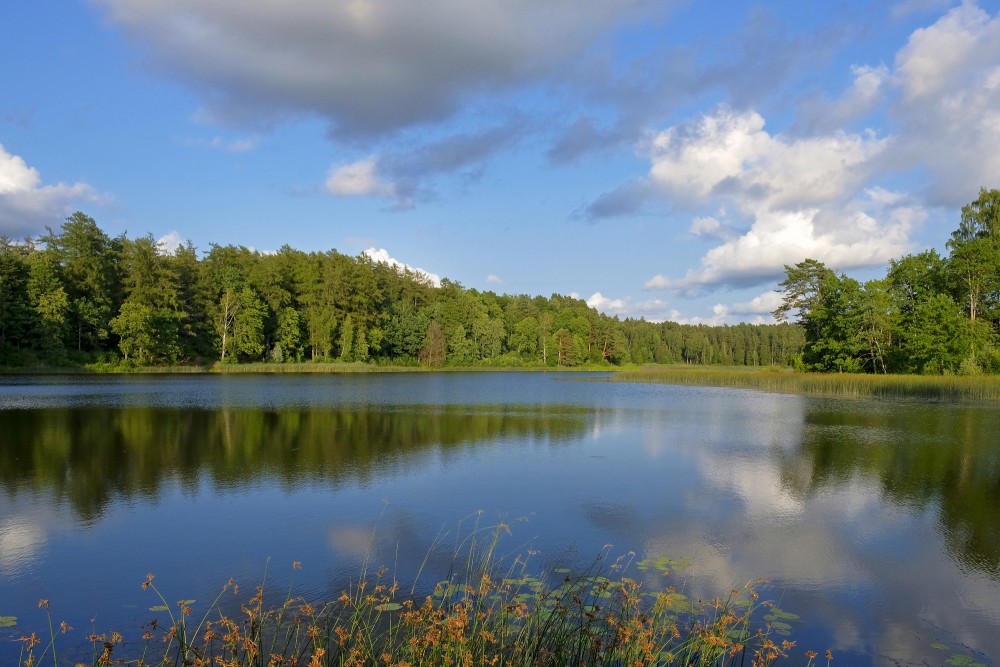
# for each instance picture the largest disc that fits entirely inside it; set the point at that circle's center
(877, 522)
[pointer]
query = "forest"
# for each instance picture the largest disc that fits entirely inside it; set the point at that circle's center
(931, 314)
(76, 297)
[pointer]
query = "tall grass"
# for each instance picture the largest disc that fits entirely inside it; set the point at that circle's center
(950, 387)
(484, 612)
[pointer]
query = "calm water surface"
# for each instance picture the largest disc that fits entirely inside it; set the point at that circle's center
(878, 522)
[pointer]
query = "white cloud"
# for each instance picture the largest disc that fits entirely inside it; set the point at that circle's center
(494, 279)
(406, 175)
(756, 311)
(359, 178)
(26, 205)
(710, 227)
(951, 51)
(763, 304)
(861, 233)
(169, 243)
(820, 194)
(381, 255)
(729, 154)
(653, 310)
(948, 76)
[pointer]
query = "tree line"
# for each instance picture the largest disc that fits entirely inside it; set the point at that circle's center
(930, 314)
(77, 296)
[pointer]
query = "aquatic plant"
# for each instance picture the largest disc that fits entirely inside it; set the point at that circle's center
(484, 612)
(851, 385)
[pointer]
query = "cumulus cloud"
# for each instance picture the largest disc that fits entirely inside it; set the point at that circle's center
(763, 304)
(730, 154)
(367, 67)
(711, 227)
(359, 178)
(382, 256)
(169, 243)
(800, 195)
(26, 205)
(861, 233)
(756, 311)
(494, 279)
(653, 310)
(948, 80)
(816, 190)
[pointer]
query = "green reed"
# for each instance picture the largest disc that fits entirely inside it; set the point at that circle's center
(852, 385)
(484, 612)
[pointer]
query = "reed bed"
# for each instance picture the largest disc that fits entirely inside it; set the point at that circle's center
(483, 613)
(943, 387)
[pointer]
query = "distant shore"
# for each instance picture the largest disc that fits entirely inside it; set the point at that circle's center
(772, 379)
(848, 385)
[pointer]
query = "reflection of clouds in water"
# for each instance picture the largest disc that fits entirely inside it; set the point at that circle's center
(353, 542)
(756, 482)
(843, 559)
(21, 540)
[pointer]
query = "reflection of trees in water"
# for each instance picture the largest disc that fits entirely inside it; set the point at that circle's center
(89, 456)
(919, 454)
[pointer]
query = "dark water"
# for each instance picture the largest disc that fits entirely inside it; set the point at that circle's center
(878, 522)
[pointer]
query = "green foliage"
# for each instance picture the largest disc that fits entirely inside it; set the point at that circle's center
(347, 339)
(147, 336)
(930, 314)
(487, 612)
(87, 297)
(435, 348)
(48, 299)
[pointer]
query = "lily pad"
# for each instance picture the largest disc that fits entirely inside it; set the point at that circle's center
(779, 615)
(186, 602)
(388, 606)
(778, 625)
(8, 621)
(160, 607)
(664, 564)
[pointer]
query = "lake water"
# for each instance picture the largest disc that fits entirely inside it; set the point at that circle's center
(878, 522)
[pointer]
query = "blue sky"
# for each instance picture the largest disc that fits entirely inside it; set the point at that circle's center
(661, 159)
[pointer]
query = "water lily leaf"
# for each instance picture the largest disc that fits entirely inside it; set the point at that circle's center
(562, 570)
(939, 646)
(779, 615)
(960, 659)
(8, 621)
(186, 602)
(778, 625)
(664, 564)
(388, 606)
(160, 607)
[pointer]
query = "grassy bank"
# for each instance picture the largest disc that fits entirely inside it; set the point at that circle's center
(949, 387)
(486, 612)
